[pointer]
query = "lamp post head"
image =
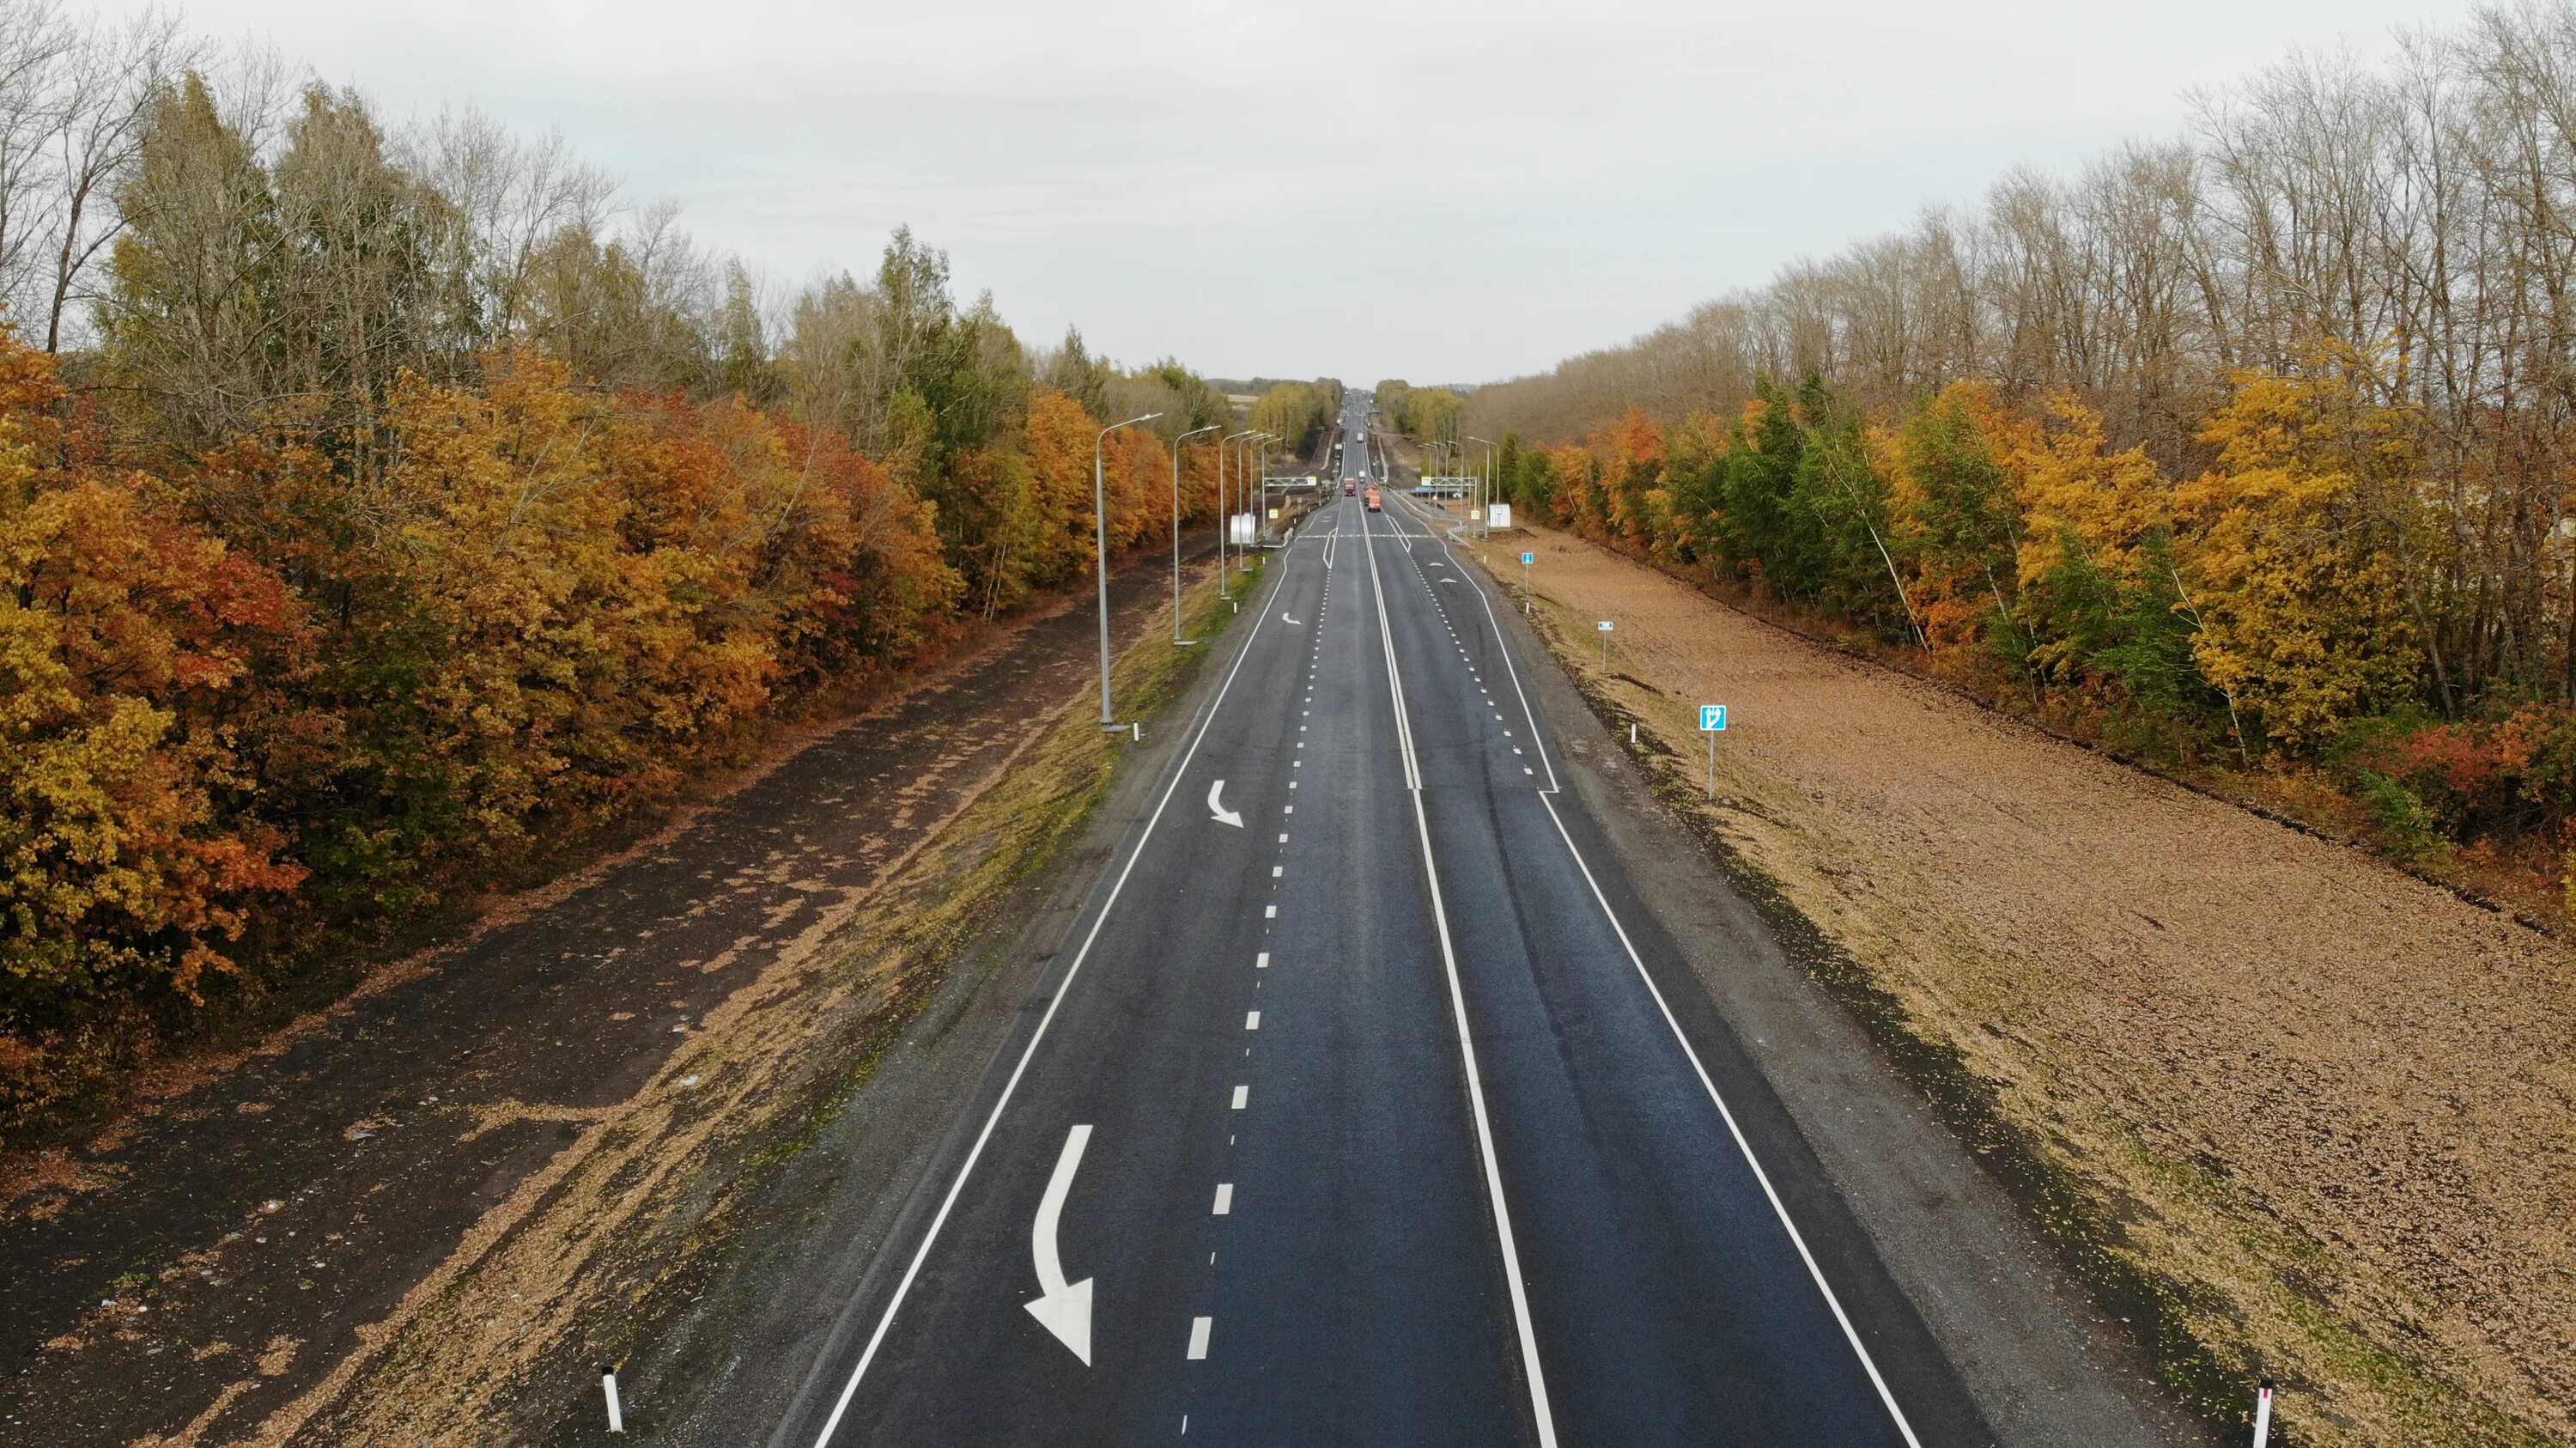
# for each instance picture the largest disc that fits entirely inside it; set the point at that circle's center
(1131, 422)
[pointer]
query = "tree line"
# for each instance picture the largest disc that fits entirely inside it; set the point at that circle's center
(1425, 414)
(2251, 447)
(381, 508)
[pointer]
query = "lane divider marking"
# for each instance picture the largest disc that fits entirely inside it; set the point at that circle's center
(1011, 1084)
(1543, 1417)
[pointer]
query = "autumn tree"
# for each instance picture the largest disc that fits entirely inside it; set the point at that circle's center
(132, 648)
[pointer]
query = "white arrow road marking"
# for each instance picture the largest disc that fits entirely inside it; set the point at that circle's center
(1217, 809)
(1066, 1307)
(1283, 618)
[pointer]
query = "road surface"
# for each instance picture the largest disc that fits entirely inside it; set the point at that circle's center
(1367, 1104)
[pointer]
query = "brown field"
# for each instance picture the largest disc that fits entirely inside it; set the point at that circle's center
(2321, 1110)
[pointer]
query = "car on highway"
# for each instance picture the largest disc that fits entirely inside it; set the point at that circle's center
(1373, 505)
(1350, 488)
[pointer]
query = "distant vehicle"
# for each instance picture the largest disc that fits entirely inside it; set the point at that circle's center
(1350, 489)
(1373, 505)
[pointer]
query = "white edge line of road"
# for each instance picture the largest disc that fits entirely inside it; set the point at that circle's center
(1544, 1417)
(1725, 1113)
(1779, 1208)
(921, 1254)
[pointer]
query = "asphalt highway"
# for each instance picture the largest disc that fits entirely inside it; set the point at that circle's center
(1366, 1103)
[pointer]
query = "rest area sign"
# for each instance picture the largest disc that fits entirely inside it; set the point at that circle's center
(1712, 717)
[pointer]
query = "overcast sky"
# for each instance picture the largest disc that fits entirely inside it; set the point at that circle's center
(1450, 191)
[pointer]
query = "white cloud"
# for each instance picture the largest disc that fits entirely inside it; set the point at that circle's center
(1446, 191)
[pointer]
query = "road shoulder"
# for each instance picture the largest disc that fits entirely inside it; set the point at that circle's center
(2041, 1360)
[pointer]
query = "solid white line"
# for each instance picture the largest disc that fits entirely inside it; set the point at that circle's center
(903, 1287)
(1539, 1410)
(1199, 1336)
(1224, 1199)
(1778, 1208)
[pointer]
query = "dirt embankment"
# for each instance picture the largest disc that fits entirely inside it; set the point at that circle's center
(2320, 1114)
(483, 1164)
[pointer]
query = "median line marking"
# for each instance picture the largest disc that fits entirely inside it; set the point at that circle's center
(1241, 1095)
(1252, 1020)
(1199, 1328)
(1544, 1419)
(1224, 1200)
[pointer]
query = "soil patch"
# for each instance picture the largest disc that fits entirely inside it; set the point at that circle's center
(2323, 1112)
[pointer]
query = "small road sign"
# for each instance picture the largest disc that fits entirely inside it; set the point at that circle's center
(1603, 625)
(1712, 719)
(1528, 559)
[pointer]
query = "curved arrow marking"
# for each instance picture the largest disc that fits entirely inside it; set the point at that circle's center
(1283, 618)
(1065, 1309)
(1217, 809)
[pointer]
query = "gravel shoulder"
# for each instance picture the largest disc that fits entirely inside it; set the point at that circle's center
(2286, 1111)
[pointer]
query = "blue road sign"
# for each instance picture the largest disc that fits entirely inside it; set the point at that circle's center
(1529, 558)
(1712, 717)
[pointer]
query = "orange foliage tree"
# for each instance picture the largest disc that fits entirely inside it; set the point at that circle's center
(132, 651)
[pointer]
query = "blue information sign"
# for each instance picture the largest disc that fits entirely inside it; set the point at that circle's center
(1529, 558)
(1712, 717)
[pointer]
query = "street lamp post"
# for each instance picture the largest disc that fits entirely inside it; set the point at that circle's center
(1484, 488)
(1177, 640)
(1100, 542)
(1261, 510)
(1225, 580)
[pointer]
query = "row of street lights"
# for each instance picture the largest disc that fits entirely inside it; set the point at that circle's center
(1483, 502)
(1100, 530)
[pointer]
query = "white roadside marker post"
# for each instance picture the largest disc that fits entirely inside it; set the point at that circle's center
(1712, 722)
(1603, 627)
(608, 1387)
(2262, 1413)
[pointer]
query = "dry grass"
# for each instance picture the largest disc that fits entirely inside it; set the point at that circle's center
(2320, 1109)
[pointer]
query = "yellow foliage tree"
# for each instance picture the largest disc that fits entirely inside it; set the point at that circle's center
(2291, 543)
